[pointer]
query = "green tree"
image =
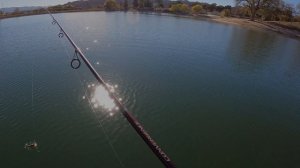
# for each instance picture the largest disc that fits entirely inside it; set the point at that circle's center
(174, 8)
(111, 5)
(180, 9)
(196, 9)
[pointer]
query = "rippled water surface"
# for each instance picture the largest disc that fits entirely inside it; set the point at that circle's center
(212, 95)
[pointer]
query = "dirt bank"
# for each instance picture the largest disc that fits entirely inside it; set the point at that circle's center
(286, 28)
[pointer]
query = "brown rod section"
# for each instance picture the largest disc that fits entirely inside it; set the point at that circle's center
(130, 118)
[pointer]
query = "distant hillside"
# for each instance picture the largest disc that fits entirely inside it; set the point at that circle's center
(21, 9)
(84, 4)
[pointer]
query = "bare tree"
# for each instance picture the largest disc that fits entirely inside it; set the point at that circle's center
(298, 8)
(253, 5)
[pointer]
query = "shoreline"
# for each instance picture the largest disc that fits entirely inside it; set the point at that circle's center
(271, 26)
(290, 29)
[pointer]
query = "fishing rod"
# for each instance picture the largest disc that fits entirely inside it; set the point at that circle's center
(162, 156)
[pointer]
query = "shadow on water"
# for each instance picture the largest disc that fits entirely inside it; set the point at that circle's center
(250, 48)
(253, 51)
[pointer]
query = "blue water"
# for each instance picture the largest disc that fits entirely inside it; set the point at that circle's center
(210, 94)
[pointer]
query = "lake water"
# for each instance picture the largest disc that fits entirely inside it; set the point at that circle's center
(211, 94)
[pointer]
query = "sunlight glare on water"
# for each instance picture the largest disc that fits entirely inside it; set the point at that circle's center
(101, 97)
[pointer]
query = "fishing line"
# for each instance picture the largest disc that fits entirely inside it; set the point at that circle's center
(32, 145)
(105, 132)
(32, 108)
(79, 77)
(160, 154)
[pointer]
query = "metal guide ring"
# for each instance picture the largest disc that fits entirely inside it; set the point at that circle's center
(74, 66)
(61, 35)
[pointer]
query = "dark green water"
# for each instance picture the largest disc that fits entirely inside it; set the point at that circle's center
(212, 95)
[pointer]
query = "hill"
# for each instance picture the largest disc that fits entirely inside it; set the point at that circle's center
(21, 9)
(86, 4)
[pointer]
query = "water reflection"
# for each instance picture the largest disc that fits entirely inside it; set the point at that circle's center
(252, 50)
(251, 47)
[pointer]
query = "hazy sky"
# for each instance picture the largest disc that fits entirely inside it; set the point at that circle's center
(19, 3)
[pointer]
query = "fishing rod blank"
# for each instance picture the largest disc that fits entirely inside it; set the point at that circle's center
(130, 118)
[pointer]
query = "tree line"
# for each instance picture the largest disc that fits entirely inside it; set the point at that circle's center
(270, 10)
(141, 5)
(57, 8)
(266, 10)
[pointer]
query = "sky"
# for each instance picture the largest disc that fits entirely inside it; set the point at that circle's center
(21, 3)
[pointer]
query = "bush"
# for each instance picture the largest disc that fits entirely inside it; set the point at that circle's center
(284, 18)
(225, 13)
(111, 5)
(197, 9)
(180, 9)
